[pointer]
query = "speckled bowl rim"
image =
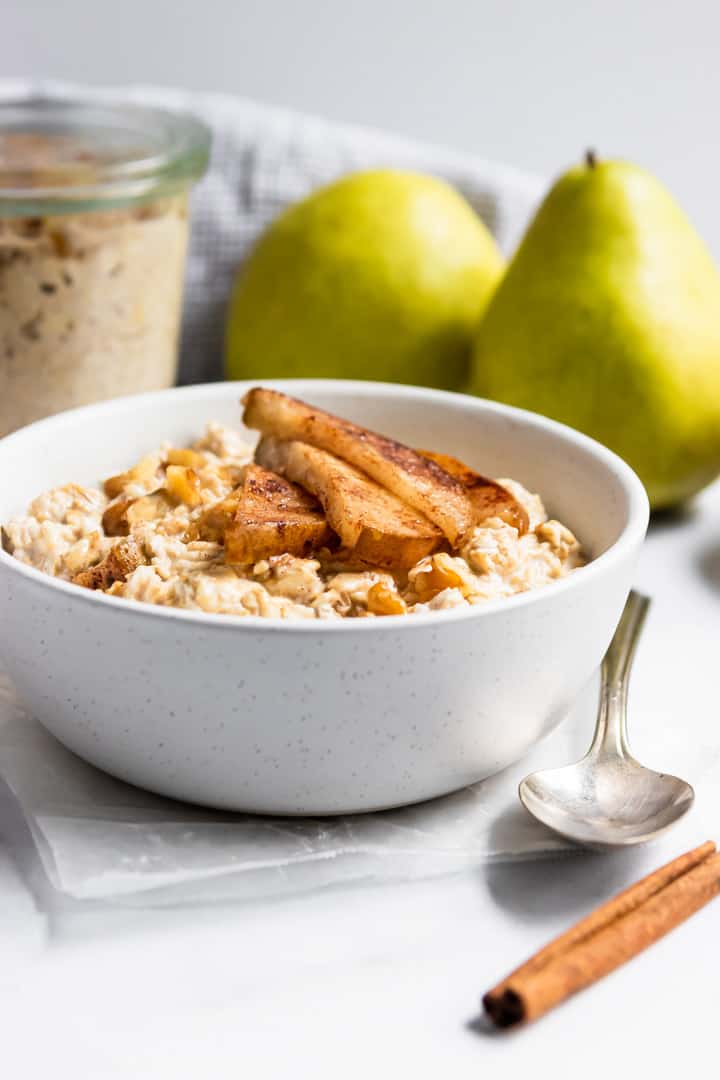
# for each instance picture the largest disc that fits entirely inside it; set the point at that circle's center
(631, 536)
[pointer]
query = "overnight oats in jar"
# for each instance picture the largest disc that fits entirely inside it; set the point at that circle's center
(93, 239)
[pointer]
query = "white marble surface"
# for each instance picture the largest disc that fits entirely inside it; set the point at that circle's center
(386, 980)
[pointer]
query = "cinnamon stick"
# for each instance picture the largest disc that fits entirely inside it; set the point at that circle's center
(607, 938)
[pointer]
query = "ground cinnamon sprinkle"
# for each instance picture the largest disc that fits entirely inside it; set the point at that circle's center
(607, 938)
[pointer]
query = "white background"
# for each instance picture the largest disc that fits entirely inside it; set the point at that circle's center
(529, 83)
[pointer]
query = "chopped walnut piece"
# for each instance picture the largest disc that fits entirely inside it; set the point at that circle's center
(439, 572)
(120, 561)
(121, 516)
(115, 519)
(384, 600)
(212, 523)
(183, 485)
(232, 475)
(143, 474)
(562, 542)
(295, 578)
(191, 459)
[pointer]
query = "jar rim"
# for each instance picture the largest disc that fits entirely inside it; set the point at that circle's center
(68, 155)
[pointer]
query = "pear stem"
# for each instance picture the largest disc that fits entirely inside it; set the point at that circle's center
(590, 159)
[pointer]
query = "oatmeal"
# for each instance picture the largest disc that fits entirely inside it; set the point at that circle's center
(89, 307)
(159, 532)
(91, 272)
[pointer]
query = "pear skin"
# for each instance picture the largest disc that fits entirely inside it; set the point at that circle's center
(608, 319)
(381, 275)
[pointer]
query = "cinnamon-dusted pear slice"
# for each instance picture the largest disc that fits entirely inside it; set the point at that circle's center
(372, 523)
(419, 482)
(489, 498)
(273, 517)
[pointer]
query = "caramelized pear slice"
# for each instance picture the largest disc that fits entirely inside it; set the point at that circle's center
(489, 498)
(373, 524)
(273, 517)
(416, 480)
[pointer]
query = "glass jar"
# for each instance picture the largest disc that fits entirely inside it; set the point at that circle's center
(93, 238)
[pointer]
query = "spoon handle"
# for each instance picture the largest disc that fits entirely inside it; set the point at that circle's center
(611, 729)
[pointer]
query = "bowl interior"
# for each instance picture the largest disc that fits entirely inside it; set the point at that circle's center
(583, 485)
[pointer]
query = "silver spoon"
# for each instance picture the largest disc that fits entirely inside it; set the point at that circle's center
(608, 799)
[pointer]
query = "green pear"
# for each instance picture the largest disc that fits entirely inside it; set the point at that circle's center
(608, 319)
(381, 275)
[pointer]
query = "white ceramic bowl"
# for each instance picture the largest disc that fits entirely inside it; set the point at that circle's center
(315, 718)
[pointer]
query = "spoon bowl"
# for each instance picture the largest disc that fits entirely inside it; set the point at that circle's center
(608, 799)
(623, 804)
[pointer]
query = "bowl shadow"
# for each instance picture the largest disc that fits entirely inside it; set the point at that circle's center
(708, 565)
(675, 517)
